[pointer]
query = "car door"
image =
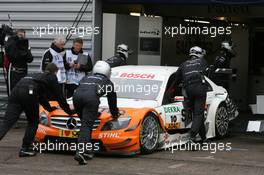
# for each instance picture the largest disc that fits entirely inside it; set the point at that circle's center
(172, 109)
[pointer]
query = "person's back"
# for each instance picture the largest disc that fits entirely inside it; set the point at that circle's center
(26, 96)
(86, 103)
(95, 84)
(194, 70)
(192, 73)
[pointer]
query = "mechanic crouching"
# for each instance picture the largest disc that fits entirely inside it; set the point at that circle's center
(192, 72)
(86, 103)
(26, 96)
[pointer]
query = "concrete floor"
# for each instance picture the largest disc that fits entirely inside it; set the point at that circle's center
(246, 157)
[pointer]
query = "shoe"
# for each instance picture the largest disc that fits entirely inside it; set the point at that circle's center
(79, 157)
(27, 152)
(88, 156)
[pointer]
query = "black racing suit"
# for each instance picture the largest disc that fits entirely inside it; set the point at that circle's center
(86, 103)
(117, 60)
(19, 55)
(26, 96)
(222, 61)
(191, 72)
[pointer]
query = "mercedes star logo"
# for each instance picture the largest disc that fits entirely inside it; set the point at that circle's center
(71, 123)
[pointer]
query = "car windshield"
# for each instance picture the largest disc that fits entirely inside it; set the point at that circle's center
(137, 88)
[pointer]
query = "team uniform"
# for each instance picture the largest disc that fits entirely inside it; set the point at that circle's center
(192, 72)
(26, 96)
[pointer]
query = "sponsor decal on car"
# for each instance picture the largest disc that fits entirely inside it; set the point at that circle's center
(172, 109)
(68, 133)
(105, 135)
(173, 123)
(137, 75)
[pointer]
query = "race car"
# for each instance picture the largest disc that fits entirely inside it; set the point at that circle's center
(153, 115)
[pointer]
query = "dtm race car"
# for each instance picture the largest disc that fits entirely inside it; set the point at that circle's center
(153, 115)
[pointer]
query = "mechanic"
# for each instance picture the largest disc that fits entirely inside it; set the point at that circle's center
(86, 103)
(26, 96)
(223, 61)
(121, 56)
(55, 55)
(192, 72)
(19, 55)
(75, 71)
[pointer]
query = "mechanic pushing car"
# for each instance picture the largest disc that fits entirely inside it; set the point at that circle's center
(121, 56)
(192, 72)
(223, 61)
(26, 96)
(86, 103)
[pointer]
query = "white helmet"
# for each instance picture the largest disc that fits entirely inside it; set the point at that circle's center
(123, 49)
(102, 67)
(197, 52)
(227, 45)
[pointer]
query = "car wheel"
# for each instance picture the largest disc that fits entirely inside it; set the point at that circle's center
(149, 134)
(221, 121)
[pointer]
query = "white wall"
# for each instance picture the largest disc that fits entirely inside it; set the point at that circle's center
(109, 35)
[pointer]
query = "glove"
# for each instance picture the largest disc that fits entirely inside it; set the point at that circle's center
(115, 117)
(53, 108)
(71, 112)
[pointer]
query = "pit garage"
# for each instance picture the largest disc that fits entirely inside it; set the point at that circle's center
(160, 32)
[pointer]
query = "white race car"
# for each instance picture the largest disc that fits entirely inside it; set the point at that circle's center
(151, 87)
(153, 115)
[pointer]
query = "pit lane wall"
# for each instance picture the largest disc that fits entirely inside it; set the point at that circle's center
(33, 14)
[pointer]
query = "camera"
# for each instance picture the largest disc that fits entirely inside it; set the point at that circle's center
(5, 30)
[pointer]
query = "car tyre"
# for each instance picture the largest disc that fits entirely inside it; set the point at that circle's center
(221, 121)
(149, 134)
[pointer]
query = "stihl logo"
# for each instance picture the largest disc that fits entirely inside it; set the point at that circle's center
(108, 135)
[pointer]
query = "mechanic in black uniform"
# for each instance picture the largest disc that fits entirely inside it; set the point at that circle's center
(26, 96)
(223, 61)
(86, 103)
(121, 56)
(191, 72)
(19, 55)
